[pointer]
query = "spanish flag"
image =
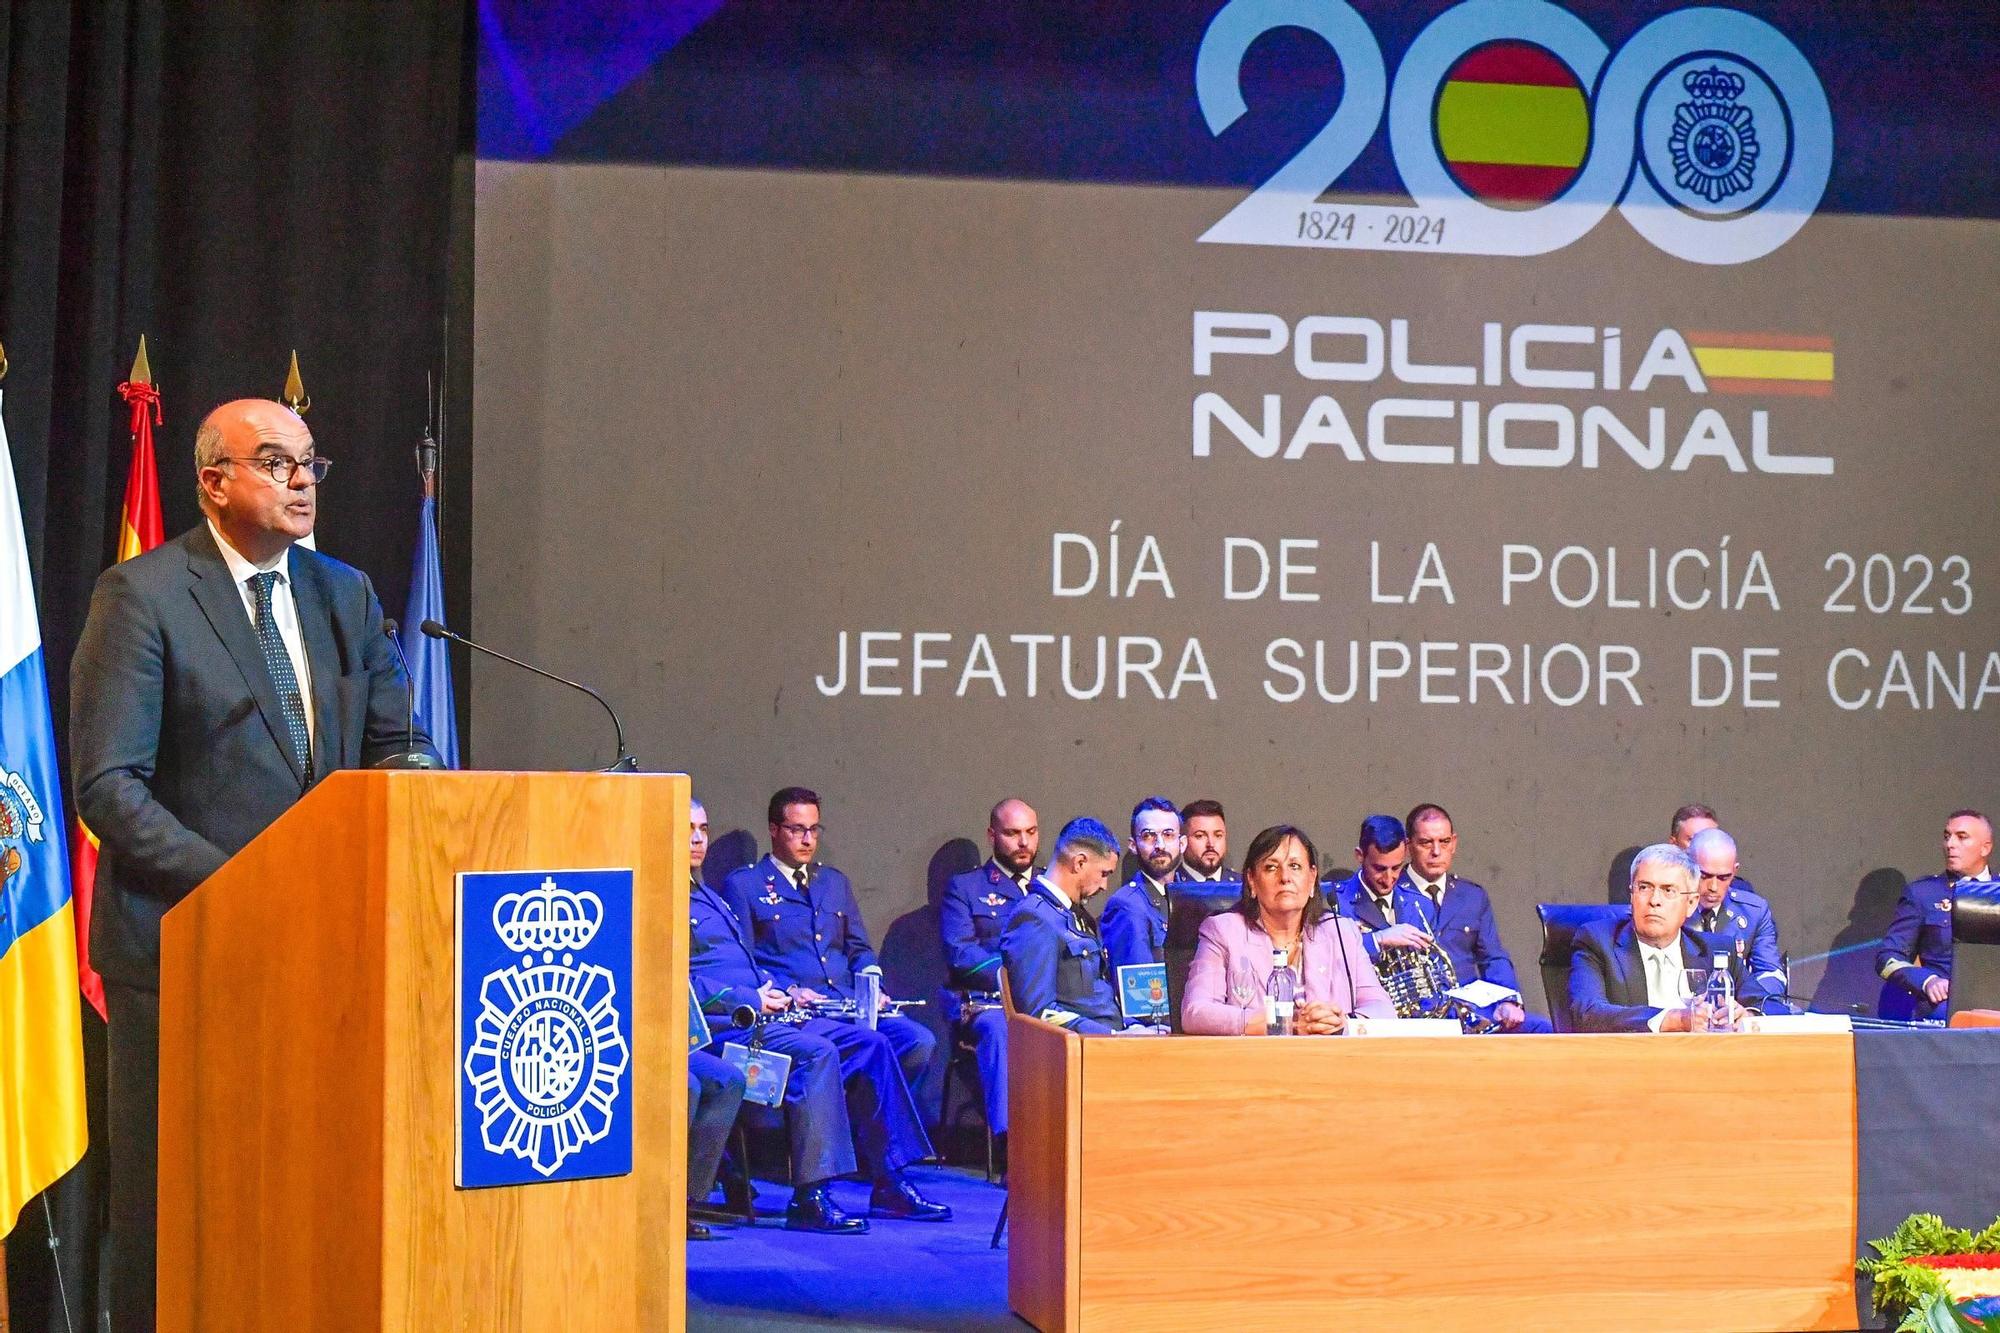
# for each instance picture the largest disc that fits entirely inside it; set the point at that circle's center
(1775, 363)
(140, 529)
(42, 1131)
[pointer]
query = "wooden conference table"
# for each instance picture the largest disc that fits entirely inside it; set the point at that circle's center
(1545, 1182)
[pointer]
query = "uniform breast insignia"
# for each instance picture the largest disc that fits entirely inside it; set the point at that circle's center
(996, 900)
(771, 899)
(546, 1055)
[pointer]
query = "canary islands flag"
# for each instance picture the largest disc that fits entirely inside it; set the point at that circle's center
(41, 1037)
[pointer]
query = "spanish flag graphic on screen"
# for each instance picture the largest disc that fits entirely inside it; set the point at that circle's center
(41, 1038)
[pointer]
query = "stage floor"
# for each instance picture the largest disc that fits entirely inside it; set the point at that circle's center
(901, 1275)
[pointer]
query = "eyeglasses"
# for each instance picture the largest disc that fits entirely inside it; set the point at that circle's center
(804, 830)
(1658, 893)
(280, 468)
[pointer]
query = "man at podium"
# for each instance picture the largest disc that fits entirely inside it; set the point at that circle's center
(218, 677)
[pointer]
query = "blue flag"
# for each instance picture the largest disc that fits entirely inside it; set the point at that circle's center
(430, 659)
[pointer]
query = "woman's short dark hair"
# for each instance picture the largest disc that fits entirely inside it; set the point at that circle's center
(1262, 846)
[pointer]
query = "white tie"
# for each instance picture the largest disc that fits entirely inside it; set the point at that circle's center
(1663, 986)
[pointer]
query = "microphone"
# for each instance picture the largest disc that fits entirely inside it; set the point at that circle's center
(626, 762)
(410, 757)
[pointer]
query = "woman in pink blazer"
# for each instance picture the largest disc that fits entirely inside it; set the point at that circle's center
(1281, 910)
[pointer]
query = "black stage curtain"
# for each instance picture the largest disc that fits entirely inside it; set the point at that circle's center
(234, 180)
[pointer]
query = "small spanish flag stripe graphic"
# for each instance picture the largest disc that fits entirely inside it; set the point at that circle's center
(1769, 363)
(1781, 388)
(1512, 123)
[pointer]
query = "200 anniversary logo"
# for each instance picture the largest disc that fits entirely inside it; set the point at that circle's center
(1515, 130)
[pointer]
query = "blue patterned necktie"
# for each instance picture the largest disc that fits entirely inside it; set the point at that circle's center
(279, 662)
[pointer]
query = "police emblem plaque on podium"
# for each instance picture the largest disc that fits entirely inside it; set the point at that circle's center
(313, 1069)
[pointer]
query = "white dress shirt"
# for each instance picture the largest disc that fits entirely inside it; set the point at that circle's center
(284, 611)
(1666, 979)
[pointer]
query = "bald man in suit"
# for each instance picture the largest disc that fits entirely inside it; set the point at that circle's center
(219, 676)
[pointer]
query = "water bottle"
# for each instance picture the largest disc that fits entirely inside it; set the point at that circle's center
(1716, 997)
(1279, 997)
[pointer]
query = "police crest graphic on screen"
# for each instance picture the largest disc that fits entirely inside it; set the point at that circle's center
(1515, 129)
(544, 1010)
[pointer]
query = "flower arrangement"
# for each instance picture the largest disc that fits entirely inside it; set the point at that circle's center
(1937, 1278)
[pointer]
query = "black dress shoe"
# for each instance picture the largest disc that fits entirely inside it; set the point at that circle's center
(813, 1209)
(696, 1231)
(899, 1198)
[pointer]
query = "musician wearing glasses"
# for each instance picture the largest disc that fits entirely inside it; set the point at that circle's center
(1732, 913)
(1631, 974)
(1281, 914)
(219, 677)
(846, 1096)
(1135, 917)
(1459, 914)
(975, 909)
(1375, 897)
(1056, 965)
(808, 927)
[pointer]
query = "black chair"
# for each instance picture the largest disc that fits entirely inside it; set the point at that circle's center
(1188, 905)
(1560, 923)
(960, 1050)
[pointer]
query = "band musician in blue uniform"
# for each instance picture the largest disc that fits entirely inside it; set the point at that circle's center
(1915, 957)
(1056, 965)
(1376, 897)
(1135, 917)
(1458, 914)
(850, 1105)
(970, 919)
(1736, 916)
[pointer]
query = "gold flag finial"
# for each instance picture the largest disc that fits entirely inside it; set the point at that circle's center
(3, 361)
(295, 395)
(142, 369)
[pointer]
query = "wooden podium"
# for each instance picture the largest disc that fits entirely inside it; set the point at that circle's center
(309, 1078)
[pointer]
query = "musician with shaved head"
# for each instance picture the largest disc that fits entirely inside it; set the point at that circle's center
(970, 919)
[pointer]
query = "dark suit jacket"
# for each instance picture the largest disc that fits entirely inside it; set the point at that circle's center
(178, 745)
(1607, 983)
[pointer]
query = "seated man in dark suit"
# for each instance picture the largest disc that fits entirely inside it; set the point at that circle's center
(974, 911)
(1630, 975)
(1056, 966)
(1460, 915)
(1205, 844)
(846, 1092)
(1915, 957)
(1135, 918)
(1732, 913)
